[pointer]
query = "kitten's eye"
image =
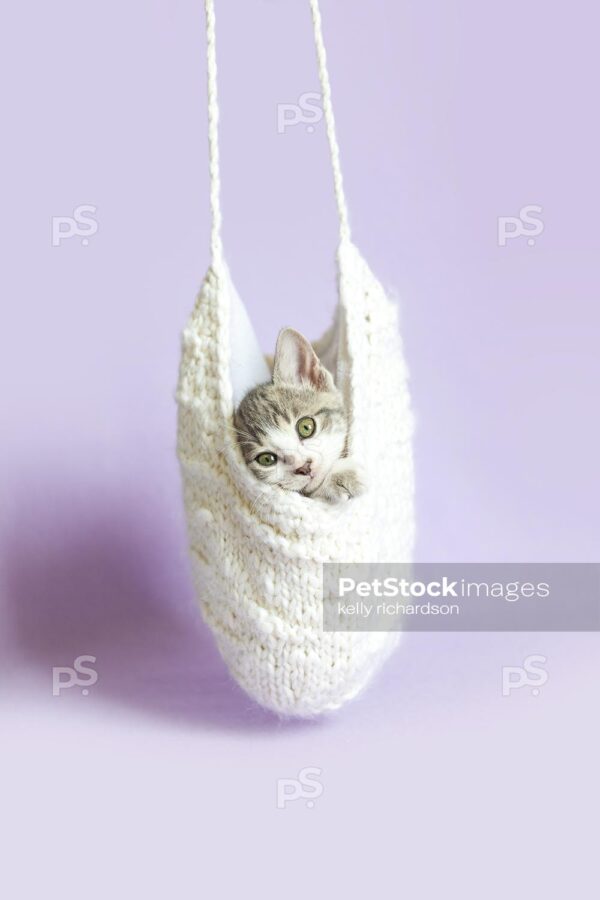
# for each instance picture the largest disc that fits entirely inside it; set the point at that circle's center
(266, 459)
(306, 427)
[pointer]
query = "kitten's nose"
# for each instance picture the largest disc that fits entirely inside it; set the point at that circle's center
(304, 469)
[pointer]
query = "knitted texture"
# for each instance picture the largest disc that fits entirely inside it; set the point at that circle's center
(257, 550)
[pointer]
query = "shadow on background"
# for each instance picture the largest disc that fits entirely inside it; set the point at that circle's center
(115, 584)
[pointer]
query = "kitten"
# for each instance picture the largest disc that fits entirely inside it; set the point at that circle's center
(293, 430)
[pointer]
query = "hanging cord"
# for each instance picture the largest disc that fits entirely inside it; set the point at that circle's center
(338, 181)
(213, 130)
(213, 136)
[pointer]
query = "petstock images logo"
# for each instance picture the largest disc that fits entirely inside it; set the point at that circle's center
(461, 597)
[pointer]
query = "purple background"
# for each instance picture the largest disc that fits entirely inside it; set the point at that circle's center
(162, 781)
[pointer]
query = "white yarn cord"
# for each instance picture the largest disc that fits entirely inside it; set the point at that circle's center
(213, 129)
(213, 137)
(334, 150)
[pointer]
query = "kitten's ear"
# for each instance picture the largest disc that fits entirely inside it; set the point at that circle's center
(297, 363)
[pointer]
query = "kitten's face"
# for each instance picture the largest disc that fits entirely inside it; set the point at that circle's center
(293, 429)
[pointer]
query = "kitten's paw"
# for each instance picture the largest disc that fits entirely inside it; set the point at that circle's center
(347, 481)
